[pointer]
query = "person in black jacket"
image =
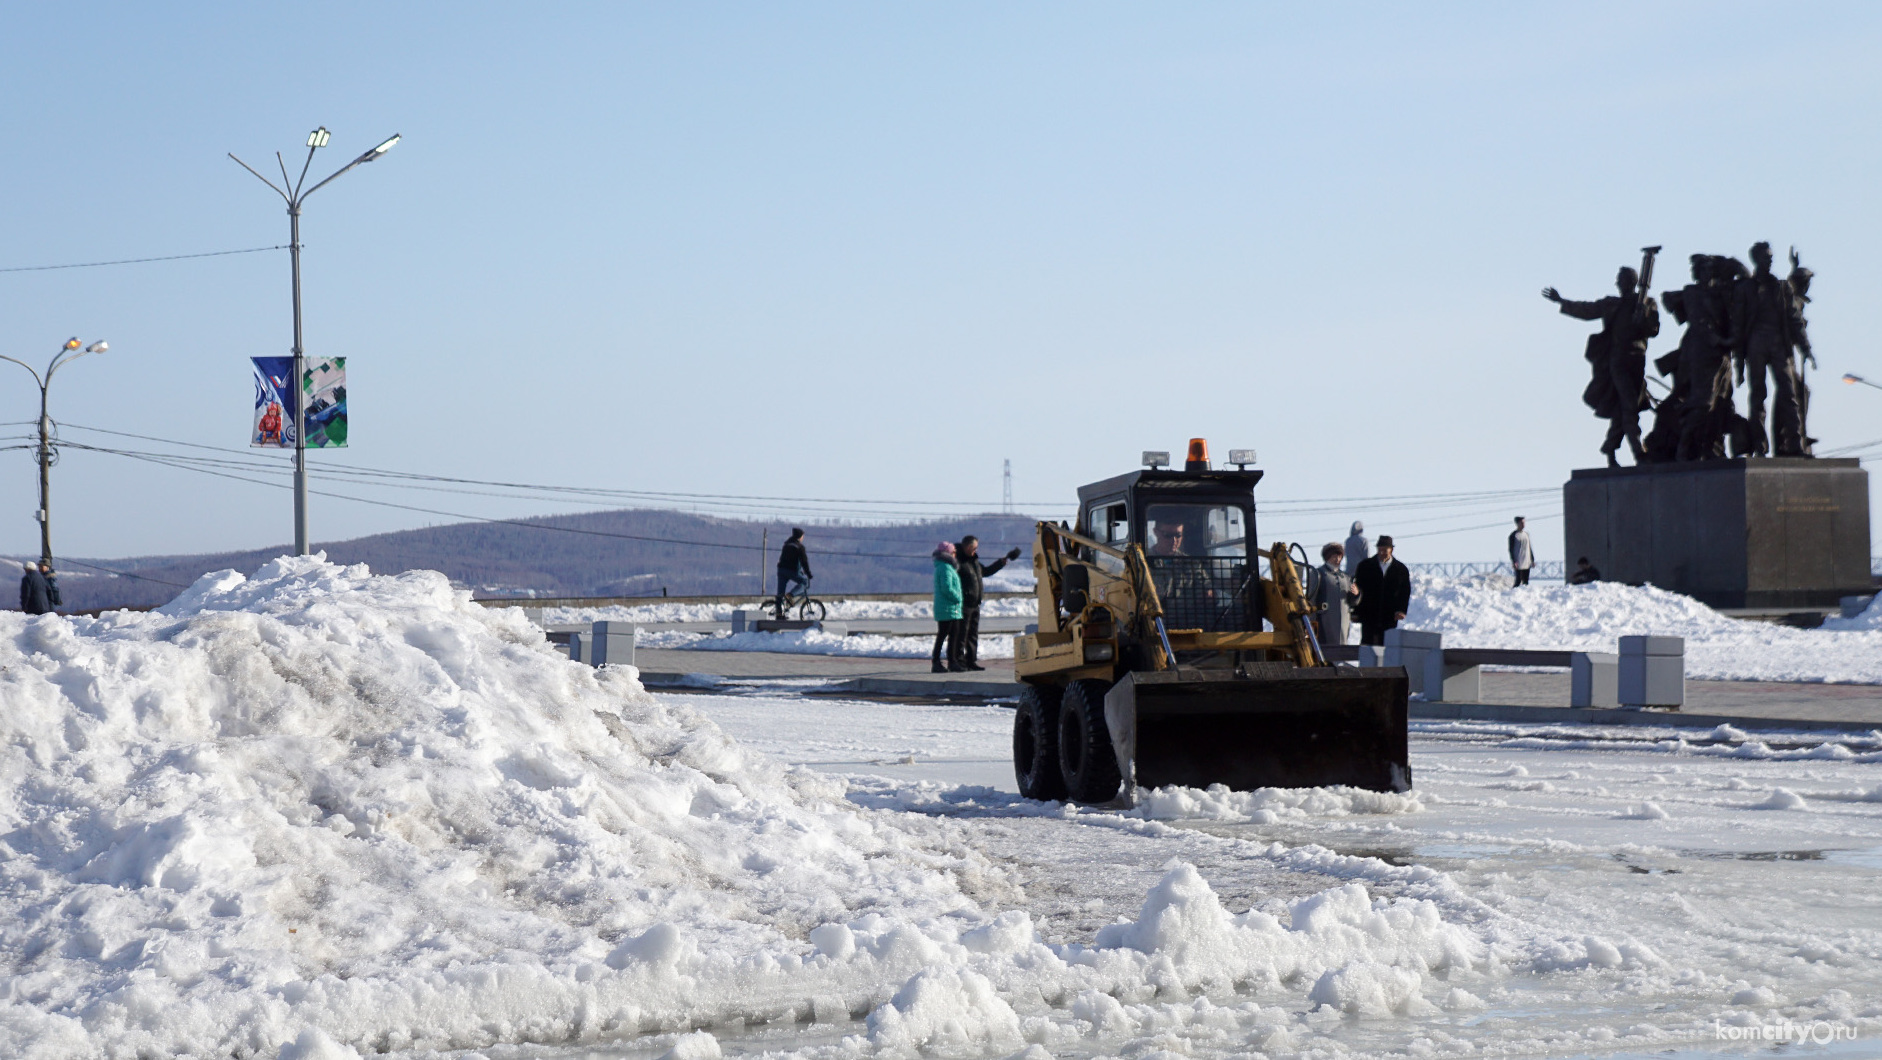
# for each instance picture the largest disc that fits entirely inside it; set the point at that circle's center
(972, 571)
(39, 589)
(1585, 573)
(793, 565)
(1384, 593)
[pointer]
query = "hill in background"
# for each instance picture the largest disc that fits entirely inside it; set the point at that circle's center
(592, 554)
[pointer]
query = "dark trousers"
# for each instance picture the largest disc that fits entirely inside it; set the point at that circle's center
(1374, 633)
(970, 636)
(1522, 576)
(948, 634)
(789, 579)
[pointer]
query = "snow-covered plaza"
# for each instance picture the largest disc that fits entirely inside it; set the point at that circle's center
(316, 813)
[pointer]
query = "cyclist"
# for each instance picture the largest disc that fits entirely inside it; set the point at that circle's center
(793, 567)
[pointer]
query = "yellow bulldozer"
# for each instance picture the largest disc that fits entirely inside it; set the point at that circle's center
(1171, 650)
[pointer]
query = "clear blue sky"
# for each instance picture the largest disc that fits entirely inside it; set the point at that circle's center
(870, 251)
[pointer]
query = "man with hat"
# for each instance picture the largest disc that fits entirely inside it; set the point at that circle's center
(1384, 593)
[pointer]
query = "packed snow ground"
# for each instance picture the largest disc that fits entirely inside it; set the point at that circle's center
(316, 813)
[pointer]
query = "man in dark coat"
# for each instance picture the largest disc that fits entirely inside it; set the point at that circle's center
(39, 589)
(973, 573)
(793, 566)
(1618, 390)
(1384, 593)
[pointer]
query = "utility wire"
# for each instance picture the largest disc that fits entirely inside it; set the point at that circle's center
(140, 261)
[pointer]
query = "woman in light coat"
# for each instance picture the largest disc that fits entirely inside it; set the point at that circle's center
(1336, 595)
(947, 609)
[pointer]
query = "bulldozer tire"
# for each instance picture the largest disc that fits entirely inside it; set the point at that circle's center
(1036, 744)
(1086, 760)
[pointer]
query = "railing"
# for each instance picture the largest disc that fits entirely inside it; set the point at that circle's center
(1544, 570)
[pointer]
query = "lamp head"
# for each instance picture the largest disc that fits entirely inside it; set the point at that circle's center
(1851, 377)
(98, 347)
(319, 137)
(72, 343)
(382, 148)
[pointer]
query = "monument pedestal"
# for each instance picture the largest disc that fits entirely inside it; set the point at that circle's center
(1740, 532)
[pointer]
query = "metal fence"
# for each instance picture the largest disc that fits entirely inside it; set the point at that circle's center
(1544, 570)
(1209, 593)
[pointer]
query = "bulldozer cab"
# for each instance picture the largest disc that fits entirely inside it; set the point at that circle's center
(1196, 530)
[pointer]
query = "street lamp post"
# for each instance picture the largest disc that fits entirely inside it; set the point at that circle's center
(291, 193)
(65, 356)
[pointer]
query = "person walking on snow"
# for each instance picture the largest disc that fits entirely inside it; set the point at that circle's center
(1357, 549)
(947, 610)
(39, 589)
(793, 567)
(973, 573)
(1384, 593)
(1522, 556)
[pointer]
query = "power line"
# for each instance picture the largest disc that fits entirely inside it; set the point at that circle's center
(140, 261)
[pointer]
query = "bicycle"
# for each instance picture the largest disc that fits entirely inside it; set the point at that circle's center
(808, 607)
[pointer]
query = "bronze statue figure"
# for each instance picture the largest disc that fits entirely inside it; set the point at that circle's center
(1734, 318)
(1618, 354)
(1762, 314)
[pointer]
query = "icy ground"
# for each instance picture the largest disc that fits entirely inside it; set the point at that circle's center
(314, 813)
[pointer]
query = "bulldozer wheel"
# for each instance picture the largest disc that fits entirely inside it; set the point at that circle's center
(1036, 744)
(1086, 760)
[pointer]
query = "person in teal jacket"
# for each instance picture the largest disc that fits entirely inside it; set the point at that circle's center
(947, 609)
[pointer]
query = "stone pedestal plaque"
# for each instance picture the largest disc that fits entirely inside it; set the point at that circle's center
(1743, 532)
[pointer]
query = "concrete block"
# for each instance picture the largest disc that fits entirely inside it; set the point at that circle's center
(1855, 605)
(1370, 655)
(1653, 646)
(1594, 679)
(745, 619)
(1652, 681)
(1456, 683)
(835, 629)
(1413, 638)
(576, 647)
(611, 644)
(534, 615)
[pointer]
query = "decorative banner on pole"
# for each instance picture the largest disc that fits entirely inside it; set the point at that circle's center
(323, 396)
(272, 429)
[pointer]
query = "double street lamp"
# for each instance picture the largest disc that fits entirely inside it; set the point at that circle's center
(291, 193)
(67, 354)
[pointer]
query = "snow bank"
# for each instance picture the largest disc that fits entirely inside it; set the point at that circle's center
(817, 642)
(317, 804)
(1594, 618)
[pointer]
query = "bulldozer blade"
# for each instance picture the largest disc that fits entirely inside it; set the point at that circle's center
(1280, 726)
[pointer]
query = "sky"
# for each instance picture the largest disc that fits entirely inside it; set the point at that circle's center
(856, 256)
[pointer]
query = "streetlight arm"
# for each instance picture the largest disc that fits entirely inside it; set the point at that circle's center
(367, 157)
(62, 360)
(264, 180)
(304, 167)
(28, 367)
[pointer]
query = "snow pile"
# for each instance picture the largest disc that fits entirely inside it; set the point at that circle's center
(316, 799)
(817, 642)
(1270, 805)
(1594, 618)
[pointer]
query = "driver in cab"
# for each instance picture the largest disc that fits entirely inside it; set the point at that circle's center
(1179, 584)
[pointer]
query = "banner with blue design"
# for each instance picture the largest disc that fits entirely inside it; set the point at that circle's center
(272, 429)
(323, 400)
